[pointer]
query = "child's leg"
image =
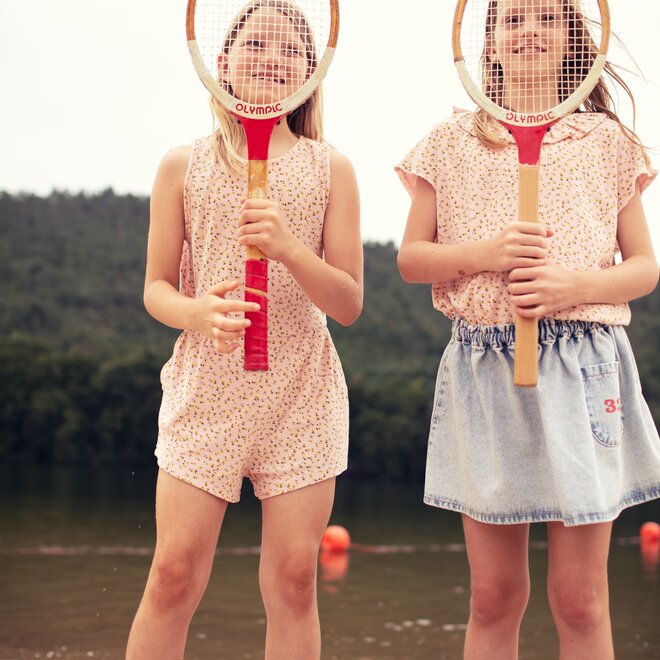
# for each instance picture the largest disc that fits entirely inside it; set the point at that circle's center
(499, 575)
(577, 589)
(188, 523)
(293, 525)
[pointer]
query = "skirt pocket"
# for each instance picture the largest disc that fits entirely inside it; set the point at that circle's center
(603, 396)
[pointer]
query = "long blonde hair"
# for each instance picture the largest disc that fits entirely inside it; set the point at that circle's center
(574, 70)
(306, 120)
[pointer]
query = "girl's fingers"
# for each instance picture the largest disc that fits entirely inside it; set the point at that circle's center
(230, 306)
(221, 333)
(221, 346)
(525, 274)
(532, 241)
(522, 280)
(248, 220)
(519, 288)
(249, 214)
(250, 217)
(529, 312)
(256, 203)
(525, 263)
(223, 287)
(226, 337)
(256, 240)
(252, 228)
(525, 300)
(225, 324)
(531, 228)
(529, 252)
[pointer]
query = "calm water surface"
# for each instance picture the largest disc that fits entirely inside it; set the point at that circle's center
(75, 550)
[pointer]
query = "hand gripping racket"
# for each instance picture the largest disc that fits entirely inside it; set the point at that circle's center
(528, 63)
(260, 61)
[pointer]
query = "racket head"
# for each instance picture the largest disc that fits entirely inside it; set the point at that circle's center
(530, 62)
(262, 58)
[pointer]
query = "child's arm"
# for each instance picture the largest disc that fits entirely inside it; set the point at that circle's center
(423, 261)
(162, 299)
(537, 292)
(333, 284)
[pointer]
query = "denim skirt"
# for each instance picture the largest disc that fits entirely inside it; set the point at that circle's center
(578, 448)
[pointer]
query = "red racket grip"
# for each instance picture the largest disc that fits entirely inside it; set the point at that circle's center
(255, 355)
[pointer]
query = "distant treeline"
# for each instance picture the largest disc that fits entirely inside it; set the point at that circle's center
(80, 358)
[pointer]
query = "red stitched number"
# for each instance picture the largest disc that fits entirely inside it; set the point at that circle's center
(612, 405)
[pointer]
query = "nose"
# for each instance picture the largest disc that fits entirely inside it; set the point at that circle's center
(531, 26)
(270, 55)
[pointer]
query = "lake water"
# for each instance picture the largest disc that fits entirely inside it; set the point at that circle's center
(75, 549)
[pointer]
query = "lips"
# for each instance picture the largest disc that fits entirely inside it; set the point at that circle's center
(269, 79)
(529, 49)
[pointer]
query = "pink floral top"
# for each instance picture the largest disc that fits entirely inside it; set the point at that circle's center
(588, 174)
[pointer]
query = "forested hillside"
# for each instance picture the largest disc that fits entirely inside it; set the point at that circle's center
(79, 356)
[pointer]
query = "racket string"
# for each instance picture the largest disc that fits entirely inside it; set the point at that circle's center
(530, 55)
(263, 50)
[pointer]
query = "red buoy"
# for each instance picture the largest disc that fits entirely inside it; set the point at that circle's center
(335, 539)
(650, 532)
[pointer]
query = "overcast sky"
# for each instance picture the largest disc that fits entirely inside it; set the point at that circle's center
(96, 91)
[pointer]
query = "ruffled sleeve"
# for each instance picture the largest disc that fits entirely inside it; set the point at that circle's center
(632, 169)
(421, 161)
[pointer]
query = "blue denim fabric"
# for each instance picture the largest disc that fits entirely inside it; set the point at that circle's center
(578, 448)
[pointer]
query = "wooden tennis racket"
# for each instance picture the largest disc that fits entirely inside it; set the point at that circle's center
(528, 63)
(260, 60)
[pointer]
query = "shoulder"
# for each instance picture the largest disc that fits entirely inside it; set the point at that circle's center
(342, 173)
(168, 187)
(329, 159)
(447, 136)
(613, 138)
(582, 124)
(459, 125)
(339, 163)
(436, 152)
(174, 163)
(601, 122)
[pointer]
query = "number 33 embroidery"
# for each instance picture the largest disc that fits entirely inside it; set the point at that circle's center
(612, 405)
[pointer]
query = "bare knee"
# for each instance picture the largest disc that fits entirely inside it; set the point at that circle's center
(579, 604)
(290, 582)
(176, 581)
(494, 601)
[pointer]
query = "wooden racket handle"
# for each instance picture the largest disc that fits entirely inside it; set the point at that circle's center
(255, 355)
(525, 367)
(257, 189)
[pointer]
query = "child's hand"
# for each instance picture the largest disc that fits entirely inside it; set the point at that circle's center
(518, 245)
(260, 225)
(210, 317)
(542, 290)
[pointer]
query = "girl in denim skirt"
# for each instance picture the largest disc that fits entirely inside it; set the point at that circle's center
(576, 450)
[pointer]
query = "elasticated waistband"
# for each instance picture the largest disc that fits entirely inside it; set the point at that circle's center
(501, 336)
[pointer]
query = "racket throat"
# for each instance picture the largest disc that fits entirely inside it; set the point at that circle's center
(529, 140)
(257, 135)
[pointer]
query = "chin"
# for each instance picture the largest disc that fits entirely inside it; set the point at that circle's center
(266, 97)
